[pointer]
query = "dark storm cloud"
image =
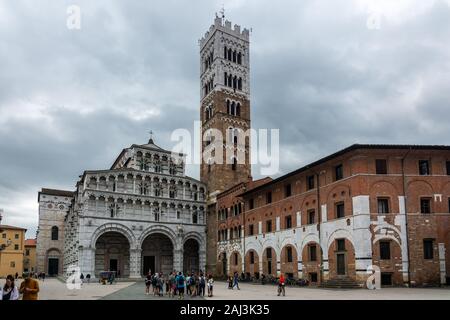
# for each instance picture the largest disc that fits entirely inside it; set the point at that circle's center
(71, 100)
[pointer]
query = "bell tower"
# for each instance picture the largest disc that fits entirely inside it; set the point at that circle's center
(225, 104)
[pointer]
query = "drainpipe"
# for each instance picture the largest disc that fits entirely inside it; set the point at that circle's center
(406, 215)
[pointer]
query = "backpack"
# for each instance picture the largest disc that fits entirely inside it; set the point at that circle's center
(202, 281)
(180, 281)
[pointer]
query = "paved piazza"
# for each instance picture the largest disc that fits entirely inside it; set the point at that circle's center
(53, 289)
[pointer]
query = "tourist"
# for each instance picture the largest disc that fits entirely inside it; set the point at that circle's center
(281, 285)
(88, 278)
(43, 276)
(172, 284)
(180, 285)
(82, 278)
(202, 285)
(148, 281)
(193, 285)
(9, 291)
(29, 288)
(236, 281)
(188, 284)
(155, 284)
(16, 276)
(111, 278)
(161, 284)
(210, 285)
(230, 282)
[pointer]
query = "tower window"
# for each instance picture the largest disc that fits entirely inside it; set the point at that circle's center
(425, 205)
(424, 167)
(239, 84)
(381, 166)
(385, 250)
(54, 233)
(383, 205)
(251, 230)
(239, 58)
(428, 249)
(251, 203)
(225, 52)
(238, 109)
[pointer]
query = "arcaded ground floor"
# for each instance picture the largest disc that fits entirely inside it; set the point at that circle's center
(53, 289)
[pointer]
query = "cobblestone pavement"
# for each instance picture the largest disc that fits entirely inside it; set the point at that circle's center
(53, 289)
(137, 292)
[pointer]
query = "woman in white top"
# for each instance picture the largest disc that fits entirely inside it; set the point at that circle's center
(9, 291)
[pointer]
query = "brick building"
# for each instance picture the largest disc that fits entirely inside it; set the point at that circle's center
(382, 205)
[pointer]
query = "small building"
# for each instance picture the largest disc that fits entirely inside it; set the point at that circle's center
(12, 240)
(29, 258)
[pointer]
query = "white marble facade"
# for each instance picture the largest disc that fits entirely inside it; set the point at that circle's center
(118, 216)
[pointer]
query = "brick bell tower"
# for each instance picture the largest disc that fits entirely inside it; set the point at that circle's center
(225, 104)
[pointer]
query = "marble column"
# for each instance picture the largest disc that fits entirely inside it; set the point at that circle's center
(135, 263)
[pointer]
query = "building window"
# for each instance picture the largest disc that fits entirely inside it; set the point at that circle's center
(4, 235)
(251, 230)
(310, 182)
(12, 264)
(27, 252)
(288, 221)
(269, 197)
(195, 218)
(54, 233)
(16, 236)
(340, 210)
(287, 190)
(236, 259)
(425, 205)
(251, 203)
(381, 166)
(340, 244)
(312, 252)
(338, 172)
(252, 257)
(383, 205)
(424, 167)
(428, 248)
(311, 216)
(269, 226)
(448, 167)
(234, 164)
(16, 247)
(289, 254)
(178, 215)
(313, 277)
(385, 250)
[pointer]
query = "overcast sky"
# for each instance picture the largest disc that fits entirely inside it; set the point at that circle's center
(326, 73)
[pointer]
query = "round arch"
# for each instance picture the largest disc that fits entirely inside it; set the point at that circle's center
(113, 227)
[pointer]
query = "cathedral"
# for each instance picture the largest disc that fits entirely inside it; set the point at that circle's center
(383, 208)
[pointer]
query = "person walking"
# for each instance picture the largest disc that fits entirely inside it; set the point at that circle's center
(82, 278)
(29, 288)
(180, 285)
(9, 290)
(88, 278)
(210, 285)
(281, 285)
(230, 282)
(236, 281)
(172, 284)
